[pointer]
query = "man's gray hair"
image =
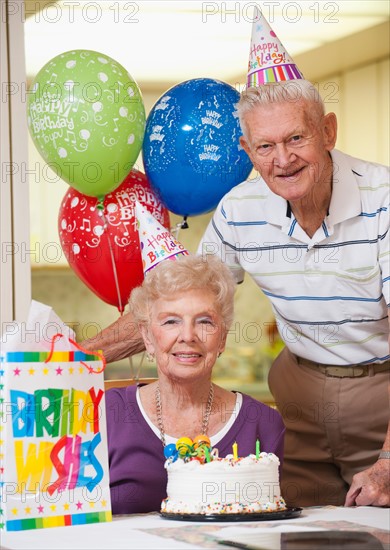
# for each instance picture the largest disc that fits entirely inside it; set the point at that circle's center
(280, 92)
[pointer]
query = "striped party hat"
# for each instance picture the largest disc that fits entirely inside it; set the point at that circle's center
(156, 242)
(268, 59)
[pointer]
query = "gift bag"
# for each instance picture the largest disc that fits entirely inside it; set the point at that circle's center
(53, 439)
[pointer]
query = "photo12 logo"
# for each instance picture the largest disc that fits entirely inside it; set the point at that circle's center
(249, 492)
(71, 11)
(291, 12)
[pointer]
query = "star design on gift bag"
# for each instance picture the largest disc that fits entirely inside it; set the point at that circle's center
(103, 503)
(31, 372)
(45, 371)
(40, 509)
(53, 507)
(59, 371)
(17, 372)
(15, 511)
(27, 510)
(66, 506)
(79, 505)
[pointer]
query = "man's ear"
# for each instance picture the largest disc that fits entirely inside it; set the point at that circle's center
(244, 144)
(330, 130)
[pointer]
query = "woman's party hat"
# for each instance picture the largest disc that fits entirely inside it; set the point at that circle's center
(156, 242)
(268, 58)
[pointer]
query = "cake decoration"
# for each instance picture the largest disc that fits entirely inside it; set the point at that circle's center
(235, 451)
(257, 448)
(188, 449)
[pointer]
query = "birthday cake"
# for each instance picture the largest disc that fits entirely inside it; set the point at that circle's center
(200, 482)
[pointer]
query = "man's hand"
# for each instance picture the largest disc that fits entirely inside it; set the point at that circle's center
(119, 340)
(371, 487)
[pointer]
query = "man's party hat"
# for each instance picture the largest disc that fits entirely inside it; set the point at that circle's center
(268, 58)
(156, 242)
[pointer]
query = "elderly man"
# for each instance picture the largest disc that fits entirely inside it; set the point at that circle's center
(313, 233)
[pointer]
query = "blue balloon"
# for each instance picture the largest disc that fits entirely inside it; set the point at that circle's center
(191, 150)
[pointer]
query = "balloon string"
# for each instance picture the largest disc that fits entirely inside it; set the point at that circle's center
(136, 374)
(105, 224)
(180, 225)
(131, 367)
(75, 344)
(115, 275)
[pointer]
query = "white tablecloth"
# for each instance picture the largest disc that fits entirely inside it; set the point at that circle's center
(150, 531)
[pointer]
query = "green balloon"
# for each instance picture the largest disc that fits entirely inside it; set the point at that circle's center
(87, 119)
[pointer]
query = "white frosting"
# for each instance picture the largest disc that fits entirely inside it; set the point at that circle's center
(224, 485)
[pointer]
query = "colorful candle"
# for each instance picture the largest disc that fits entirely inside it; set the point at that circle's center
(257, 448)
(235, 451)
(207, 454)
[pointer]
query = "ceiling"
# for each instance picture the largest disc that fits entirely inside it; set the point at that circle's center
(172, 41)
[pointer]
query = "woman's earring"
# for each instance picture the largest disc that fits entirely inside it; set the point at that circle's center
(150, 357)
(219, 354)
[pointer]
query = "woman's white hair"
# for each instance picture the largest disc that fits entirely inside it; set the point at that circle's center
(187, 273)
(280, 92)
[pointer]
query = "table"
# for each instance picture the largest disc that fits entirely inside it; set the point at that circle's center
(150, 531)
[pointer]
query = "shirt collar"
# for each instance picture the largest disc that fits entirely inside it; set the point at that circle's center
(277, 211)
(345, 202)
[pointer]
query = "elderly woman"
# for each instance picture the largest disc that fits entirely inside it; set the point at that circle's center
(184, 310)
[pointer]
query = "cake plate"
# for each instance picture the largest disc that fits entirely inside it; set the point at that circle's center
(255, 516)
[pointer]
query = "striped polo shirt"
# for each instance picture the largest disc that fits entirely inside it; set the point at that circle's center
(329, 293)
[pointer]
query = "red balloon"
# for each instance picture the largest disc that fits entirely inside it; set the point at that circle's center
(102, 244)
